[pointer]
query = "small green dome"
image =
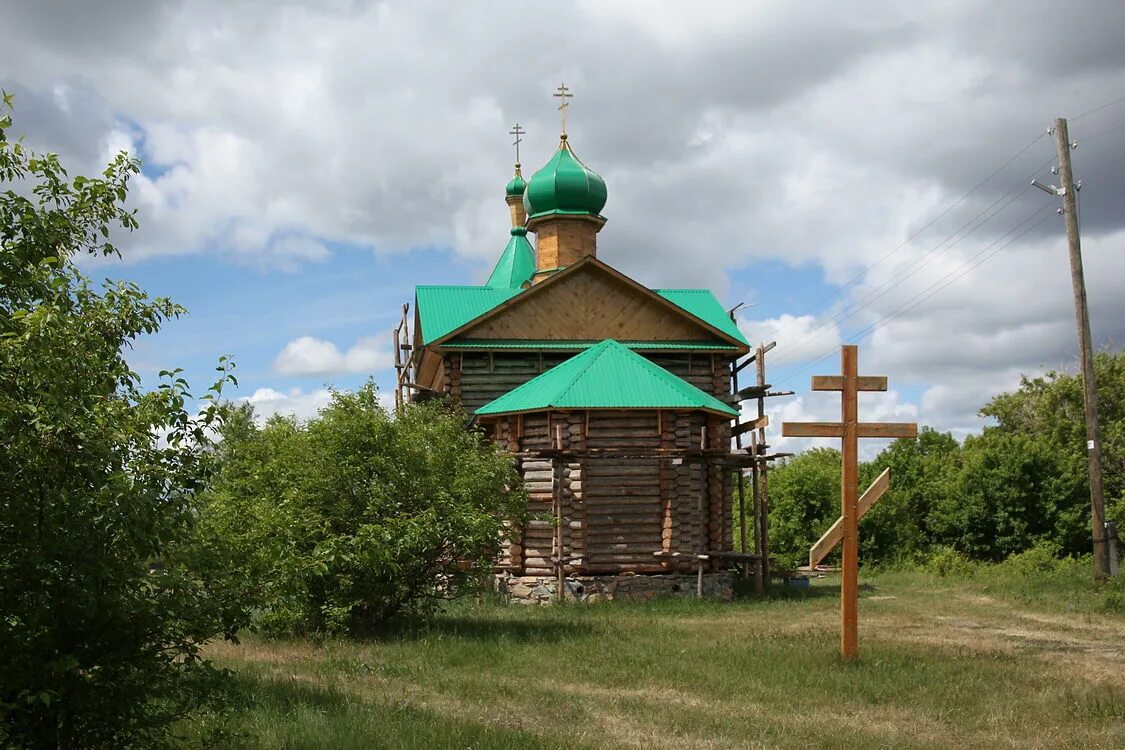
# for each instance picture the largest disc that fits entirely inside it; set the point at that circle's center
(517, 185)
(564, 186)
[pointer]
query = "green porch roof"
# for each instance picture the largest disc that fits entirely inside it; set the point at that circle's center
(442, 309)
(577, 345)
(606, 376)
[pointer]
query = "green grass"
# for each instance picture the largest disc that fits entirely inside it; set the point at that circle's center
(943, 663)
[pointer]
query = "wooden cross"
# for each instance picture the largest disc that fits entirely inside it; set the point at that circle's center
(563, 93)
(517, 131)
(850, 429)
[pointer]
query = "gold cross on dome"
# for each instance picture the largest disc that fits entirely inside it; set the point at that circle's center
(563, 93)
(517, 131)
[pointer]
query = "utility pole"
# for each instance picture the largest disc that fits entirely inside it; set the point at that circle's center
(1069, 193)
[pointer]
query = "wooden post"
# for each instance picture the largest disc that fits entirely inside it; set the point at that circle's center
(762, 474)
(755, 488)
(704, 530)
(556, 491)
(764, 502)
(849, 429)
(849, 584)
(742, 536)
(1085, 351)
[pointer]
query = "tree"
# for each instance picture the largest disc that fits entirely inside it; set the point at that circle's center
(343, 522)
(922, 472)
(1021, 483)
(1049, 410)
(97, 650)
(804, 502)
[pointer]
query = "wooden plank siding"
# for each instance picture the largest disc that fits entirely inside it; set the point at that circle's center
(592, 304)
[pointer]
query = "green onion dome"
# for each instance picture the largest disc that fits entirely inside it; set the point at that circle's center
(517, 185)
(564, 186)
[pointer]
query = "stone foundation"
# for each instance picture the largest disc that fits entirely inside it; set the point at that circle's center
(543, 589)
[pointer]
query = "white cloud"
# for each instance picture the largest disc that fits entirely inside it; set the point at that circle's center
(298, 403)
(799, 338)
(369, 138)
(267, 402)
(308, 355)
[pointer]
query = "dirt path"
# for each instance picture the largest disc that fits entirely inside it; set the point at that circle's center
(1084, 646)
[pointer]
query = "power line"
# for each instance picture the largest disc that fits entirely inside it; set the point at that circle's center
(855, 279)
(924, 260)
(1107, 105)
(952, 277)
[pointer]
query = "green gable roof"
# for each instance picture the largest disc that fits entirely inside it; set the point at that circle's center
(517, 263)
(606, 376)
(442, 309)
(702, 304)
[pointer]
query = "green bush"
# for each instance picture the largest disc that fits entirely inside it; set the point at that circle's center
(804, 502)
(95, 650)
(948, 563)
(341, 523)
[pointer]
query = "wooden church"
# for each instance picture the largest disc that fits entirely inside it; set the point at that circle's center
(615, 399)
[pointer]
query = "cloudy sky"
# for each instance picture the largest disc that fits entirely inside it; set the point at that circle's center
(849, 171)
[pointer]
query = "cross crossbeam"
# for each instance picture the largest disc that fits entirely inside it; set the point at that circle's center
(863, 429)
(849, 429)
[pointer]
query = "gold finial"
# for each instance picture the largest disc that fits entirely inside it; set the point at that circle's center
(563, 93)
(517, 131)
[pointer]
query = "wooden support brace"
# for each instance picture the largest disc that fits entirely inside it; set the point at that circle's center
(832, 537)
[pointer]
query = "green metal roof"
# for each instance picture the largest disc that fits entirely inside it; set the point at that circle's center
(442, 309)
(576, 345)
(605, 376)
(702, 304)
(565, 186)
(517, 263)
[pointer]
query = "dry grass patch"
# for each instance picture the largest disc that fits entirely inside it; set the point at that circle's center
(954, 668)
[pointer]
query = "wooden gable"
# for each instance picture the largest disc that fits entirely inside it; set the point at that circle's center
(590, 301)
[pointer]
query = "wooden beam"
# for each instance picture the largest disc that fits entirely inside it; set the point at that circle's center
(835, 533)
(862, 382)
(753, 424)
(812, 429)
(888, 430)
(752, 391)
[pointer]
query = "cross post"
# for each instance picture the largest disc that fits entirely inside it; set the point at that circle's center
(849, 429)
(517, 131)
(563, 93)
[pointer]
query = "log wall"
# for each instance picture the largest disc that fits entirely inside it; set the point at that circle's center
(615, 512)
